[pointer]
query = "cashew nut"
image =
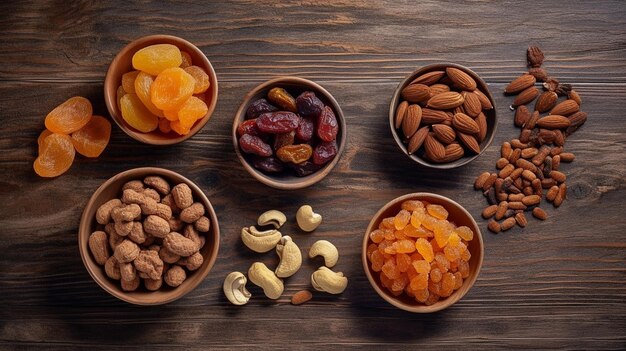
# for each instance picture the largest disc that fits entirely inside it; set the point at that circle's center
(260, 241)
(260, 275)
(290, 257)
(235, 288)
(273, 217)
(307, 219)
(326, 280)
(327, 250)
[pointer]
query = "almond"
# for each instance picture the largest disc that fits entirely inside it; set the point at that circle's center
(430, 116)
(454, 152)
(445, 101)
(565, 108)
(465, 124)
(412, 120)
(417, 140)
(522, 115)
(532, 121)
(438, 88)
(520, 83)
(470, 142)
(444, 133)
(553, 122)
(484, 100)
(546, 101)
(434, 149)
(481, 120)
(574, 96)
(400, 113)
(301, 297)
(471, 105)
(577, 119)
(461, 79)
(429, 78)
(416, 93)
(526, 96)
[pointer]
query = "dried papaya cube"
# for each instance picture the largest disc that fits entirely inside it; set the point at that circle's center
(191, 111)
(154, 59)
(56, 156)
(137, 115)
(142, 85)
(171, 89)
(43, 137)
(164, 126)
(92, 139)
(70, 116)
(179, 128)
(186, 59)
(128, 81)
(201, 77)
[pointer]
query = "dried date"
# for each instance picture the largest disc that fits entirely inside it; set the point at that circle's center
(327, 126)
(324, 152)
(268, 164)
(277, 122)
(305, 168)
(294, 153)
(304, 133)
(248, 127)
(284, 139)
(259, 107)
(309, 105)
(251, 144)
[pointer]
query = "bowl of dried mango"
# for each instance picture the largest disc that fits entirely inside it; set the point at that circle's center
(160, 89)
(422, 252)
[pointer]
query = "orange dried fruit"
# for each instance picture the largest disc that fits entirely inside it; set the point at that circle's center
(56, 156)
(386, 223)
(179, 128)
(120, 92)
(201, 77)
(92, 139)
(412, 205)
(70, 116)
(371, 248)
(422, 295)
(135, 113)
(417, 217)
(403, 261)
(191, 111)
(390, 269)
(154, 59)
(171, 89)
(186, 59)
(465, 233)
(405, 246)
(377, 236)
(437, 211)
(377, 260)
(421, 266)
(42, 137)
(142, 85)
(128, 81)
(401, 219)
(425, 249)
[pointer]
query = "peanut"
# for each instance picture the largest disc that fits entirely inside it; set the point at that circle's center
(135, 185)
(112, 268)
(128, 271)
(156, 226)
(191, 233)
(168, 200)
(153, 284)
(158, 183)
(137, 234)
(175, 224)
(148, 261)
(167, 256)
(98, 247)
(179, 245)
(130, 285)
(175, 276)
(202, 224)
(123, 228)
(164, 211)
(192, 213)
(103, 214)
(151, 193)
(126, 252)
(192, 262)
(182, 195)
(125, 213)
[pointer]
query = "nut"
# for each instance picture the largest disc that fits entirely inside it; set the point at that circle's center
(262, 276)
(179, 245)
(164, 211)
(123, 228)
(156, 226)
(167, 256)
(192, 213)
(235, 288)
(98, 247)
(328, 281)
(135, 185)
(128, 271)
(168, 200)
(151, 193)
(307, 219)
(260, 241)
(182, 195)
(127, 251)
(191, 233)
(202, 224)
(157, 183)
(130, 285)
(103, 214)
(147, 204)
(137, 234)
(290, 257)
(125, 213)
(327, 250)
(192, 262)
(149, 262)
(272, 217)
(175, 276)
(152, 284)
(301, 297)
(112, 268)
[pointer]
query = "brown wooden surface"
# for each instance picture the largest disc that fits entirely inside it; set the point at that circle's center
(556, 284)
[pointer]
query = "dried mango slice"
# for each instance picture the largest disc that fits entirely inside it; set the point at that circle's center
(93, 138)
(128, 81)
(56, 156)
(154, 59)
(142, 85)
(70, 116)
(136, 114)
(191, 111)
(171, 88)
(202, 79)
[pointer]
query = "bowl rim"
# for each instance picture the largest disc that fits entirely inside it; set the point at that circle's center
(110, 90)
(85, 227)
(450, 300)
(395, 100)
(302, 182)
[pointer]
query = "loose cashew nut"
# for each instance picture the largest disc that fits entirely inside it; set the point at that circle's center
(260, 241)
(307, 219)
(260, 275)
(235, 288)
(290, 257)
(327, 250)
(273, 217)
(326, 280)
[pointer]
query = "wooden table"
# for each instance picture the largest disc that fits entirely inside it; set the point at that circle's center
(557, 284)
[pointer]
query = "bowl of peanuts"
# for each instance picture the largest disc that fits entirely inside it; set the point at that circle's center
(160, 89)
(422, 252)
(148, 236)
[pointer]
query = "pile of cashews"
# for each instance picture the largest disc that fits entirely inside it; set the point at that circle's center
(324, 279)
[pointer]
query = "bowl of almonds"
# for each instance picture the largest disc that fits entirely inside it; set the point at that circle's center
(442, 116)
(148, 236)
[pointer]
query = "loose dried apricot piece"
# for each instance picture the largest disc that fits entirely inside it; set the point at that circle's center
(137, 115)
(186, 59)
(142, 85)
(70, 116)
(191, 111)
(154, 59)
(93, 138)
(171, 88)
(201, 77)
(43, 137)
(128, 81)
(56, 157)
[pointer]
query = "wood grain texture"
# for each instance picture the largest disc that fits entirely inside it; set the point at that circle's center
(557, 284)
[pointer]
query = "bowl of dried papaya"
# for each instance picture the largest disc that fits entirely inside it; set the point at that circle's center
(422, 252)
(160, 89)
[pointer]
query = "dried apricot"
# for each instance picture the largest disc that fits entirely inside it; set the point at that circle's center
(137, 115)
(171, 88)
(154, 59)
(120, 92)
(92, 139)
(43, 137)
(201, 77)
(186, 59)
(70, 116)
(128, 81)
(164, 126)
(56, 156)
(191, 111)
(177, 127)
(142, 85)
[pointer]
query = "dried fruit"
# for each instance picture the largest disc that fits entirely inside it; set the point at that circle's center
(70, 116)
(171, 88)
(324, 152)
(92, 139)
(259, 107)
(327, 126)
(248, 127)
(305, 129)
(154, 59)
(309, 105)
(283, 99)
(294, 153)
(268, 164)
(135, 113)
(142, 85)
(277, 122)
(201, 78)
(254, 145)
(56, 156)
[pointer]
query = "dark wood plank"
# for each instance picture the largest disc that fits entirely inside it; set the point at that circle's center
(557, 284)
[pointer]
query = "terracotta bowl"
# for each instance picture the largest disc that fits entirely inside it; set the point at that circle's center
(295, 86)
(122, 63)
(417, 157)
(112, 188)
(459, 216)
